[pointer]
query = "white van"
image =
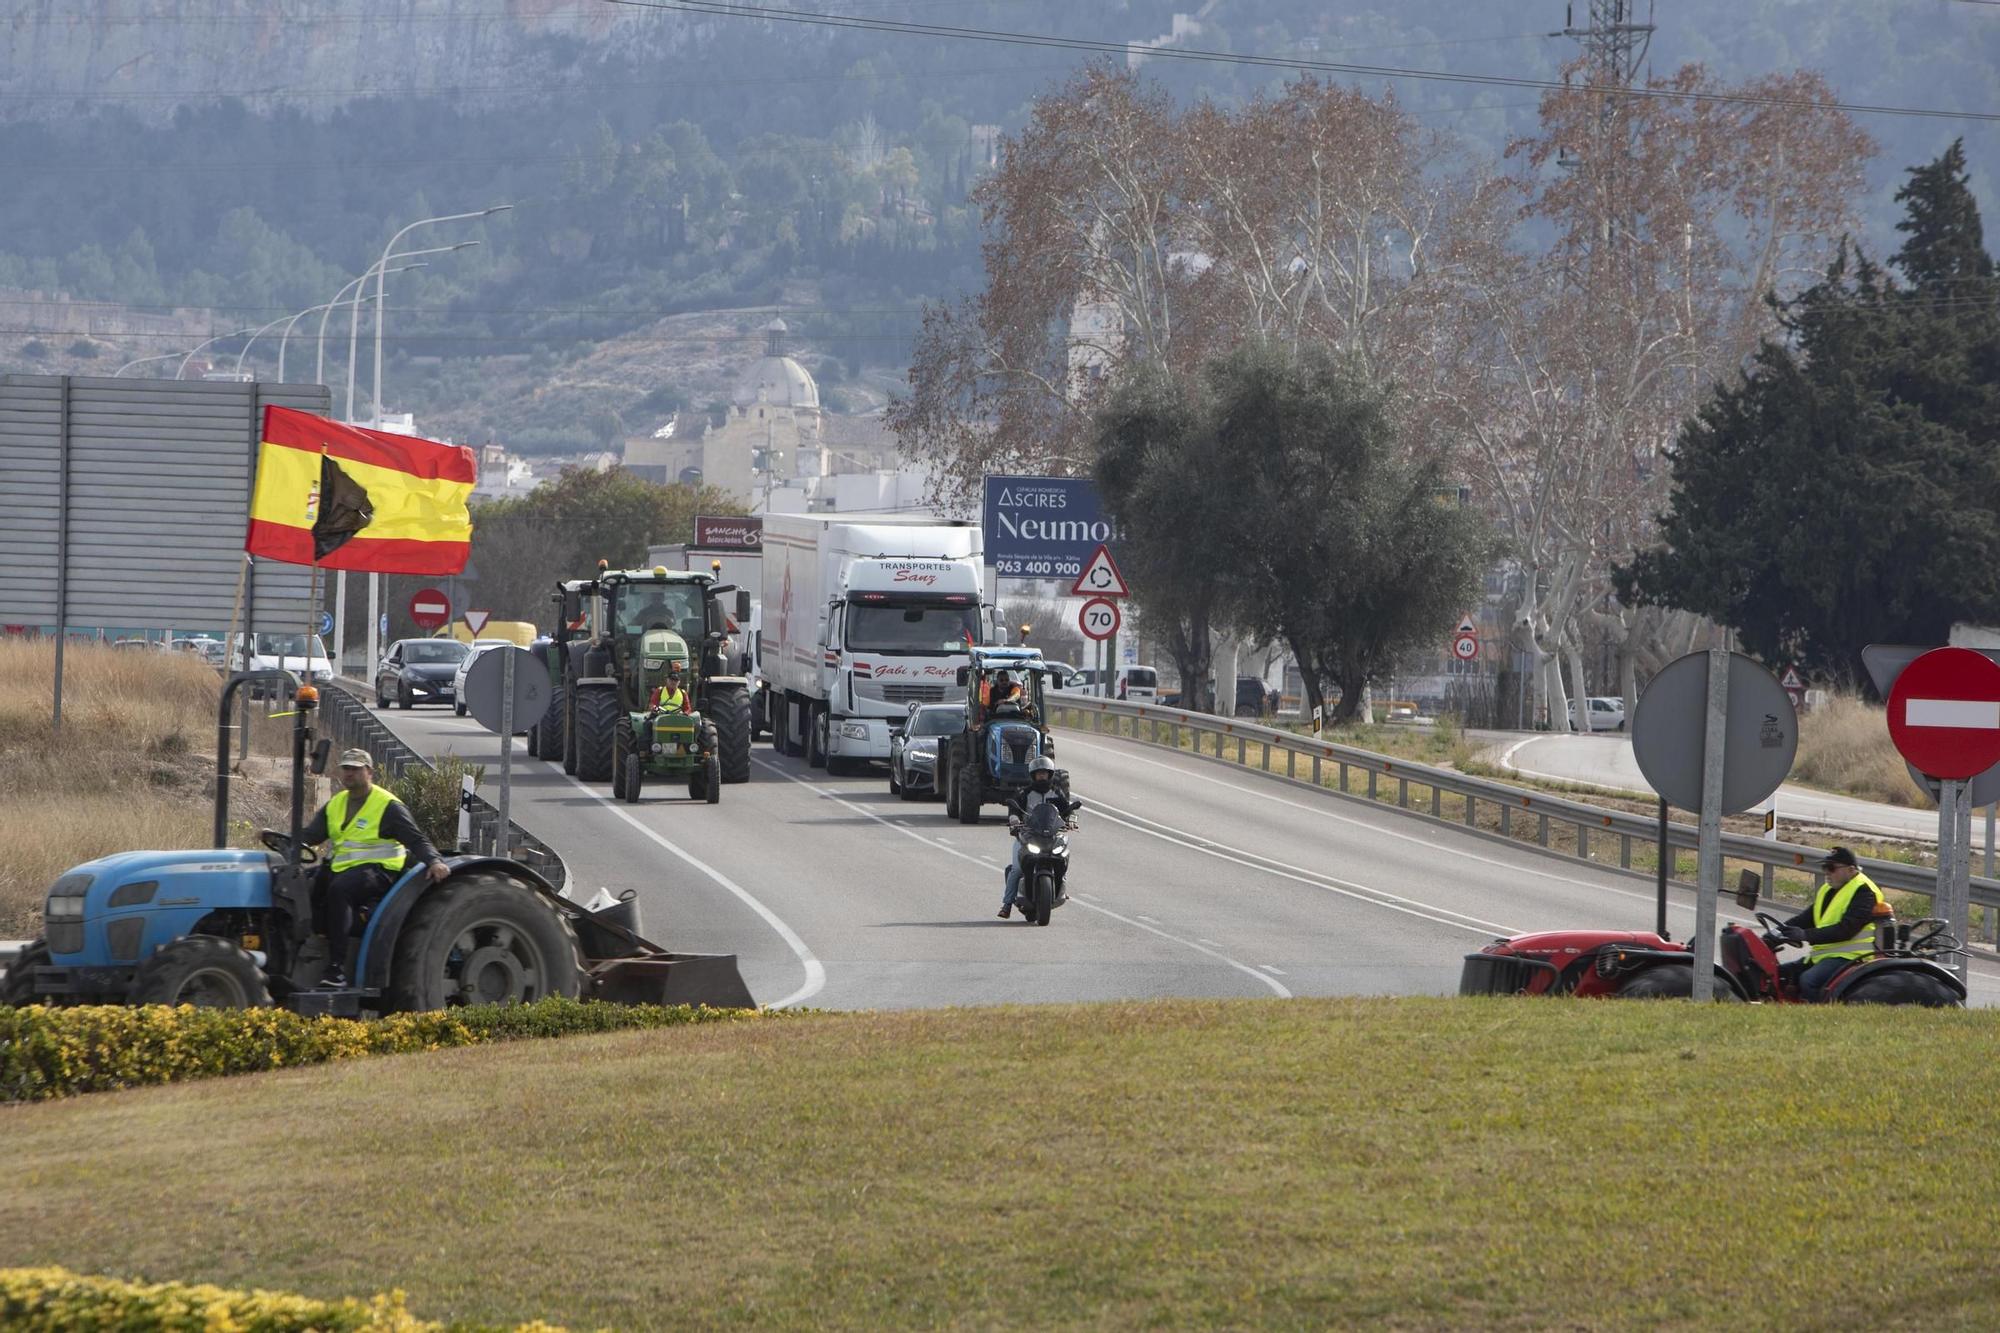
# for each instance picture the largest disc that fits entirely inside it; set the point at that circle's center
(304, 655)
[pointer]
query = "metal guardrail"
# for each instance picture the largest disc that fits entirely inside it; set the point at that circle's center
(348, 720)
(1524, 817)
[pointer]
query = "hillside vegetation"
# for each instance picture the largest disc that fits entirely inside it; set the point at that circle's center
(133, 767)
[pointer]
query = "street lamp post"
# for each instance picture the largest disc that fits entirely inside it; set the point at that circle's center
(182, 368)
(164, 356)
(340, 299)
(354, 315)
(381, 318)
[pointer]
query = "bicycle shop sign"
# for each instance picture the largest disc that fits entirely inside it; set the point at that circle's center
(1043, 527)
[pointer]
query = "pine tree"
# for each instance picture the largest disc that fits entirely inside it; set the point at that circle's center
(1943, 246)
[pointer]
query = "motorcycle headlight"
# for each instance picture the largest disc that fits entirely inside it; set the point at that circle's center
(1035, 848)
(854, 731)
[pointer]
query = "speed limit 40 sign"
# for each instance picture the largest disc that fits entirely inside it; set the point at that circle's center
(1099, 618)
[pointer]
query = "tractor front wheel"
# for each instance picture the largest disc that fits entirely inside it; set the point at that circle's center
(597, 713)
(711, 780)
(969, 795)
(635, 778)
(483, 939)
(621, 749)
(1669, 981)
(205, 971)
(728, 711)
(17, 987)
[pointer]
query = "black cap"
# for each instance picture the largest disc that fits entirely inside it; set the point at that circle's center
(1840, 856)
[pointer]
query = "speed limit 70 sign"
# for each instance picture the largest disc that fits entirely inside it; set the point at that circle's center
(1099, 618)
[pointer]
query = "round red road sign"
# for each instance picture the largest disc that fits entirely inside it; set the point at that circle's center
(429, 608)
(1944, 713)
(1465, 647)
(1099, 618)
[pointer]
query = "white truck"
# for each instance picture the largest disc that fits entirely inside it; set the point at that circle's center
(864, 615)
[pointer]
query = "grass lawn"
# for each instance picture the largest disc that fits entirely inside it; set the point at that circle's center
(1414, 1163)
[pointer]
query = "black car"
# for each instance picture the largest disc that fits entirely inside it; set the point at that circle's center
(913, 747)
(418, 671)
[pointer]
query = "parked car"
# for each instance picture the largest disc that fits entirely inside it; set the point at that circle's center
(913, 748)
(143, 645)
(1063, 676)
(1598, 713)
(419, 671)
(1254, 698)
(478, 647)
(303, 656)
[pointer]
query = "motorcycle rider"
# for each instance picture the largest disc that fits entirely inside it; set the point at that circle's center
(1837, 928)
(1041, 791)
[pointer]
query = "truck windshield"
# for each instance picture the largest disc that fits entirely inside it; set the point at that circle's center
(910, 629)
(674, 606)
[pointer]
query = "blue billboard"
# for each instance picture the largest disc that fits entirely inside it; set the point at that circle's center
(1042, 527)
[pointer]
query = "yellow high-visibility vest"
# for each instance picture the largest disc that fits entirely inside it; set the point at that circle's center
(359, 842)
(1829, 906)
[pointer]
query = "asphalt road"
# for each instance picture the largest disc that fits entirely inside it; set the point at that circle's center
(1189, 878)
(1606, 761)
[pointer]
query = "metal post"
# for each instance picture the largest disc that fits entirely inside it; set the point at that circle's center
(1710, 858)
(62, 541)
(1953, 901)
(465, 793)
(1992, 915)
(1660, 875)
(506, 747)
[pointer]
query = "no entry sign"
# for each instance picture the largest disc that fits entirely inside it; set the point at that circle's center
(1944, 713)
(430, 608)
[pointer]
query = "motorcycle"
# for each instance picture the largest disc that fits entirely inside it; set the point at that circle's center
(1903, 968)
(1044, 861)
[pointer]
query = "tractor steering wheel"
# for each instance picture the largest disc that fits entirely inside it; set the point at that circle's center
(282, 845)
(1774, 929)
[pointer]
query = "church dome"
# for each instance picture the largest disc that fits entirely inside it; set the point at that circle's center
(775, 378)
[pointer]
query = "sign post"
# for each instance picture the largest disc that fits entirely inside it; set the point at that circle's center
(505, 684)
(1465, 640)
(1100, 581)
(1748, 737)
(1944, 716)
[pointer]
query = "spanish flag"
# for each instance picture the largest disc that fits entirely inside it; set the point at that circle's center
(342, 497)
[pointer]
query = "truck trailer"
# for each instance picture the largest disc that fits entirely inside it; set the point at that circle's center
(864, 615)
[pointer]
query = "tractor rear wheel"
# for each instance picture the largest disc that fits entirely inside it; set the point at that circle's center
(1668, 981)
(545, 738)
(728, 711)
(205, 971)
(17, 987)
(969, 795)
(597, 715)
(483, 939)
(1902, 986)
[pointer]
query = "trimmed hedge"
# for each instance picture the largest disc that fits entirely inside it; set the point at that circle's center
(50, 1052)
(59, 1301)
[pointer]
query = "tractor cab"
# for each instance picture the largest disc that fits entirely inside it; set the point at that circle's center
(1005, 731)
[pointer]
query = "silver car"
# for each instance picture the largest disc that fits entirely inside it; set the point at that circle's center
(913, 748)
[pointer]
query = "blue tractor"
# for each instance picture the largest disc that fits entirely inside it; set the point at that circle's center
(225, 927)
(1006, 729)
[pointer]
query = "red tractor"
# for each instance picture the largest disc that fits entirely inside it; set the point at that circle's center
(1904, 968)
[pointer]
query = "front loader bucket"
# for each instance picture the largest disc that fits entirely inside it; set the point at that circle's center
(710, 979)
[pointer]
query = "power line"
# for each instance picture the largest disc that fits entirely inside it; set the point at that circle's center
(719, 9)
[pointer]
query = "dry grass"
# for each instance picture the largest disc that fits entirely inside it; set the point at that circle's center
(1844, 747)
(1490, 1164)
(131, 767)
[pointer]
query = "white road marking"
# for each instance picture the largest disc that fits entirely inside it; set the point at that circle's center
(815, 970)
(1143, 917)
(1274, 971)
(1312, 878)
(939, 843)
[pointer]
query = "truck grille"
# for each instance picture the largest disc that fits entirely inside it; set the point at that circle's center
(913, 694)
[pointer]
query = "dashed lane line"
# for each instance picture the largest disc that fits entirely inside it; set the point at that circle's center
(1264, 979)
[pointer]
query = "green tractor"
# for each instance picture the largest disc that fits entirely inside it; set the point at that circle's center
(665, 738)
(614, 636)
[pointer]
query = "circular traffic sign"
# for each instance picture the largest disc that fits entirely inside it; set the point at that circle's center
(1465, 647)
(326, 622)
(1099, 618)
(1670, 732)
(429, 608)
(487, 695)
(1944, 713)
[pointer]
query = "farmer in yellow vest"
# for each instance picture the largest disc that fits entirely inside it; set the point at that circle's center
(372, 837)
(1838, 928)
